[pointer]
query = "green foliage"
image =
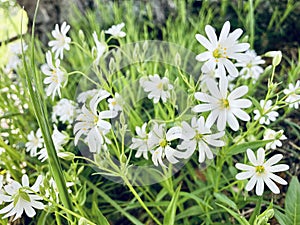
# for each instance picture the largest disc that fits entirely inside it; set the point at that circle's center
(291, 215)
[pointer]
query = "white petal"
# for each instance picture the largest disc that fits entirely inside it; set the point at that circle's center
(241, 166)
(174, 133)
(244, 175)
(278, 179)
(242, 115)
(232, 70)
(203, 97)
(241, 103)
(211, 34)
(278, 168)
(223, 83)
(204, 41)
(238, 92)
(251, 157)
(212, 118)
(259, 186)
(213, 88)
(274, 159)
(250, 185)
(271, 185)
(29, 211)
(221, 123)
(203, 56)
(232, 121)
(260, 156)
(25, 181)
(203, 108)
(225, 31)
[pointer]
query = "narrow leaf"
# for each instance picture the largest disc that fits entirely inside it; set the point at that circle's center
(169, 218)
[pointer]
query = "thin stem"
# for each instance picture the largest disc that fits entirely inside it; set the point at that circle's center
(83, 74)
(133, 191)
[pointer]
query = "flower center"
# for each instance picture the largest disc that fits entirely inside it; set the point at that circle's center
(198, 136)
(220, 52)
(260, 169)
(161, 86)
(36, 141)
(224, 103)
(163, 143)
(21, 194)
(249, 65)
(96, 119)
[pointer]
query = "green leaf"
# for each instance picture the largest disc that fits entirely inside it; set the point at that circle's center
(100, 219)
(240, 148)
(281, 218)
(292, 202)
(224, 199)
(169, 218)
(237, 216)
(81, 195)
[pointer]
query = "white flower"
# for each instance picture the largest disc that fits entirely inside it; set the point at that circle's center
(84, 96)
(92, 123)
(224, 106)
(278, 136)
(292, 97)
(61, 41)
(55, 76)
(220, 51)
(262, 172)
(199, 135)
(159, 142)
(141, 142)
(22, 198)
(266, 115)
(115, 104)
(65, 110)
(250, 66)
(116, 31)
(158, 88)
(100, 48)
(59, 139)
(15, 49)
(35, 141)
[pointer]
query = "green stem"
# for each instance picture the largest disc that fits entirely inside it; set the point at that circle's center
(133, 191)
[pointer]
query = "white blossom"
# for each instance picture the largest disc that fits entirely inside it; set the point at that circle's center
(55, 76)
(93, 125)
(116, 103)
(61, 41)
(250, 66)
(66, 110)
(140, 142)
(293, 95)
(224, 106)
(221, 50)
(159, 142)
(262, 172)
(199, 136)
(116, 31)
(266, 114)
(277, 137)
(35, 142)
(158, 88)
(100, 48)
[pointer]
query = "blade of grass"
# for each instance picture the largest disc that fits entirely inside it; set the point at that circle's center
(41, 117)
